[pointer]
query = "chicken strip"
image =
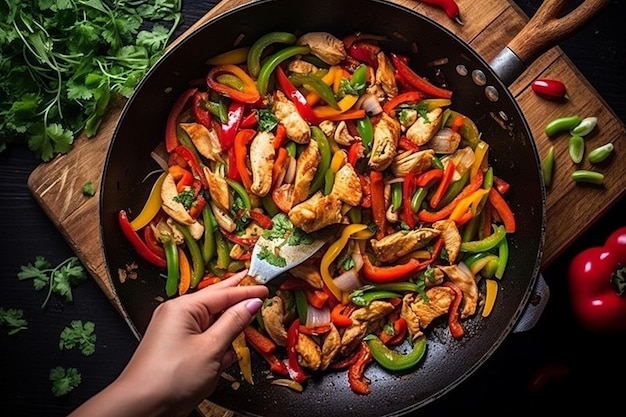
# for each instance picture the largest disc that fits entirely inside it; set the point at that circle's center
(309, 353)
(347, 186)
(394, 246)
(296, 128)
(466, 281)
(451, 238)
(330, 347)
(206, 141)
(306, 167)
(218, 187)
(386, 75)
(408, 161)
(171, 206)
(420, 314)
(309, 274)
(385, 144)
(325, 46)
(316, 213)
(273, 312)
(425, 128)
(262, 156)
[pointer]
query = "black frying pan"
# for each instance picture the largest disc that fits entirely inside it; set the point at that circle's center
(512, 151)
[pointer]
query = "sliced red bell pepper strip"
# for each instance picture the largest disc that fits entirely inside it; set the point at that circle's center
(261, 219)
(182, 177)
(279, 165)
(242, 139)
(501, 185)
(378, 203)
(193, 162)
(443, 185)
(139, 245)
(199, 109)
(249, 94)
(259, 341)
(400, 330)
(314, 331)
(229, 129)
(152, 242)
(171, 126)
(383, 274)
(298, 99)
(196, 208)
(317, 298)
(365, 52)
(338, 318)
(356, 373)
(407, 97)
(503, 209)
(295, 370)
(405, 144)
(356, 151)
(409, 76)
(453, 313)
(280, 136)
(431, 217)
(429, 177)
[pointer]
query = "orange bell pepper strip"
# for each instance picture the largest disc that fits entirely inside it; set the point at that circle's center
(259, 341)
(503, 209)
(242, 139)
(345, 104)
(470, 202)
(445, 182)
(431, 217)
(429, 177)
(338, 317)
(377, 188)
(171, 126)
(279, 164)
(317, 298)
(280, 136)
(185, 272)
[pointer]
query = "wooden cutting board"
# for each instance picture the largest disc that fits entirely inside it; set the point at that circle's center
(489, 26)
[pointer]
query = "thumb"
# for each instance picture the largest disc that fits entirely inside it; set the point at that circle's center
(234, 319)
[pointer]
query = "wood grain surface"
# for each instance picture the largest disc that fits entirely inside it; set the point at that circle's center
(490, 25)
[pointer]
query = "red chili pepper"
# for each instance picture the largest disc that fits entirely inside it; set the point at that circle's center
(549, 89)
(377, 187)
(407, 97)
(364, 52)
(295, 370)
(356, 373)
(431, 217)
(171, 126)
(230, 128)
(249, 94)
(453, 313)
(384, 274)
(193, 162)
(243, 241)
(199, 110)
(139, 245)
(597, 285)
(296, 97)
(338, 317)
(445, 182)
(261, 219)
(242, 139)
(448, 6)
(419, 83)
(503, 209)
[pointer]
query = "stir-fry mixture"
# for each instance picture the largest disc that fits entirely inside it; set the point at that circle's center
(297, 135)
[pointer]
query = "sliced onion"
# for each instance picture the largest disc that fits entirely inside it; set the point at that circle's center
(289, 383)
(357, 257)
(159, 160)
(395, 180)
(316, 317)
(370, 104)
(348, 281)
(290, 172)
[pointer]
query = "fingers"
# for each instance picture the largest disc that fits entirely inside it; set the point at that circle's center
(232, 321)
(231, 281)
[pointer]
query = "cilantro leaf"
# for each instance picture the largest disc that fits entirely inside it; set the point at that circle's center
(79, 334)
(36, 272)
(64, 380)
(12, 317)
(273, 259)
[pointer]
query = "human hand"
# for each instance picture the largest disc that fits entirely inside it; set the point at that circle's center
(185, 348)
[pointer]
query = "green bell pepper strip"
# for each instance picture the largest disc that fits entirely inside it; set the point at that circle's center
(273, 61)
(318, 85)
(197, 261)
(173, 273)
(418, 199)
(301, 305)
(396, 196)
(223, 251)
(322, 141)
(454, 189)
(329, 181)
(256, 50)
(241, 192)
(503, 257)
(366, 131)
(403, 286)
(470, 229)
(491, 241)
(208, 245)
(358, 81)
(393, 360)
(269, 205)
(436, 163)
(363, 299)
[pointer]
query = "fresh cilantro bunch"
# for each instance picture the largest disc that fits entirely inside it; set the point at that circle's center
(63, 62)
(64, 380)
(79, 335)
(13, 318)
(60, 279)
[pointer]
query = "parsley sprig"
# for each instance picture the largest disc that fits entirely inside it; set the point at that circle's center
(13, 318)
(64, 380)
(64, 61)
(81, 335)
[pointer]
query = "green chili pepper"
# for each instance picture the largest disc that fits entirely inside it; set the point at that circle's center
(363, 299)
(301, 305)
(402, 286)
(173, 273)
(418, 197)
(223, 251)
(329, 181)
(547, 167)
(197, 261)
(273, 61)
(503, 257)
(257, 48)
(561, 124)
(576, 148)
(366, 131)
(490, 268)
(584, 127)
(359, 79)
(393, 360)
(488, 179)
(322, 141)
(396, 196)
(600, 153)
(591, 177)
(318, 85)
(487, 243)
(236, 266)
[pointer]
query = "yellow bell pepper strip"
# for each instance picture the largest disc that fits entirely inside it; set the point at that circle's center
(196, 255)
(248, 93)
(443, 185)
(394, 360)
(243, 357)
(139, 245)
(477, 261)
(185, 272)
(480, 157)
(491, 292)
(242, 140)
(340, 113)
(152, 206)
(171, 126)
(233, 57)
(487, 243)
(325, 159)
(405, 73)
(468, 204)
(331, 254)
(296, 97)
(261, 44)
(274, 61)
(503, 209)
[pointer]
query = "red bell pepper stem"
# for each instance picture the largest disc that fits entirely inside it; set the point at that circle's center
(139, 245)
(384, 274)
(378, 203)
(259, 341)
(193, 162)
(356, 373)
(407, 97)
(200, 113)
(171, 126)
(409, 76)
(230, 128)
(296, 97)
(431, 217)
(295, 370)
(453, 314)
(445, 182)
(242, 139)
(503, 209)
(338, 318)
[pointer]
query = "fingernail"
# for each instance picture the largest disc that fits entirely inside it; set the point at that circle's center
(254, 305)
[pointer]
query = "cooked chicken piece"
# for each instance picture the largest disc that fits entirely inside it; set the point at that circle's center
(419, 314)
(363, 320)
(425, 128)
(316, 213)
(262, 156)
(206, 141)
(309, 353)
(176, 233)
(376, 310)
(300, 66)
(398, 244)
(445, 141)
(451, 238)
(273, 312)
(324, 46)
(352, 336)
(328, 127)
(386, 75)
(347, 186)
(174, 209)
(386, 135)
(296, 128)
(306, 167)
(392, 215)
(409, 116)
(308, 273)
(466, 281)
(434, 277)
(409, 161)
(377, 91)
(342, 135)
(218, 187)
(222, 218)
(330, 347)
(196, 229)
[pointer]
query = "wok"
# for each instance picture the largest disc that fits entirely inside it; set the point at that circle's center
(512, 152)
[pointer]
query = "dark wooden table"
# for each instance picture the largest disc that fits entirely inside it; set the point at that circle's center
(594, 364)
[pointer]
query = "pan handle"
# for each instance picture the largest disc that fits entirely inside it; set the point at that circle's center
(543, 31)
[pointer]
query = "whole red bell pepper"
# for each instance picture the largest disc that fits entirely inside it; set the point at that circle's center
(597, 285)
